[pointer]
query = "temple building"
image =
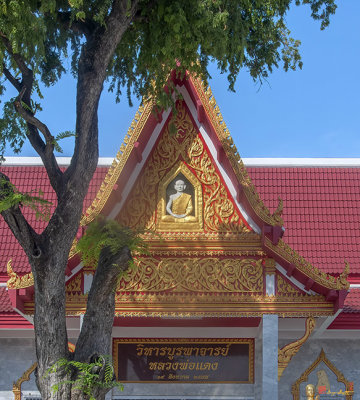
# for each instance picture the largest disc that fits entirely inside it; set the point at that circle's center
(251, 288)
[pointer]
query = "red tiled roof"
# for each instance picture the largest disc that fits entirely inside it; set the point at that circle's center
(349, 318)
(5, 303)
(28, 179)
(352, 302)
(321, 212)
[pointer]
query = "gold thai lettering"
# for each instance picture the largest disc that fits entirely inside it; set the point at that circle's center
(148, 351)
(171, 353)
(203, 351)
(214, 366)
(191, 365)
(187, 351)
(175, 366)
(179, 351)
(217, 351)
(184, 365)
(168, 366)
(225, 352)
(161, 366)
(139, 349)
(163, 351)
(153, 365)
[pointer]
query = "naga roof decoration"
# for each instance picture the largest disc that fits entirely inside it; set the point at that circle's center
(211, 258)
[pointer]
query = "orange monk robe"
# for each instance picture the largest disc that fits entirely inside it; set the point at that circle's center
(182, 205)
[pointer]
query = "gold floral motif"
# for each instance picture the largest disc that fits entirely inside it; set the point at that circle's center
(117, 166)
(295, 389)
(286, 353)
(284, 287)
(324, 279)
(214, 114)
(73, 249)
(74, 286)
(18, 282)
(187, 147)
(207, 275)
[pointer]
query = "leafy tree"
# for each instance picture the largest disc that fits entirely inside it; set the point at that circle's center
(131, 44)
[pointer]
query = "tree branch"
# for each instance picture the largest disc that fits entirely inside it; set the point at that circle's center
(94, 60)
(18, 224)
(44, 149)
(80, 27)
(30, 119)
(15, 82)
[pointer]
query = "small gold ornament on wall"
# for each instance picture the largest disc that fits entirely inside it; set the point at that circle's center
(324, 383)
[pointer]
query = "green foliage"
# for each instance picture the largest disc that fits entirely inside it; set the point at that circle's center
(86, 376)
(12, 197)
(183, 34)
(108, 233)
(62, 135)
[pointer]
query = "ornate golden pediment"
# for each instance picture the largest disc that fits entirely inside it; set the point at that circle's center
(182, 157)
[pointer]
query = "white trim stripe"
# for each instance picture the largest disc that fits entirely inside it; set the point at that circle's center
(249, 162)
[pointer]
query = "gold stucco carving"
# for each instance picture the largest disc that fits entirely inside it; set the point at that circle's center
(24, 377)
(349, 388)
(269, 266)
(74, 286)
(197, 304)
(324, 279)
(286, 353)
(184, 150)
(18, 282)
(284, 287)
(205, 275)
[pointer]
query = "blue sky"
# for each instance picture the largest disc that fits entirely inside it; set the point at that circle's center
(313, 112)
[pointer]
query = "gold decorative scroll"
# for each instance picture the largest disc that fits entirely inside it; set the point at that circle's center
(18, 282)
(284, 287)
(206, 275)
(349, 388)
(24, 377)
(287, 352)
(185, 146)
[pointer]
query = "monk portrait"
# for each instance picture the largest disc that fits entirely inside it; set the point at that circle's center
(179, 204)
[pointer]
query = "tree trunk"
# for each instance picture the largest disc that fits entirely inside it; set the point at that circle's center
(95, 336)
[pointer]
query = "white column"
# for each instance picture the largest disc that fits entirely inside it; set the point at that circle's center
(270, 335)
